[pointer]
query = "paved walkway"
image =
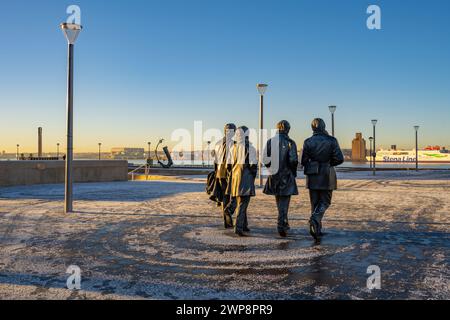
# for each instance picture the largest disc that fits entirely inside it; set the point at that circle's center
(163, 240)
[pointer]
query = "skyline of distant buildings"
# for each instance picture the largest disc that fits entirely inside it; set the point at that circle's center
(358, 151)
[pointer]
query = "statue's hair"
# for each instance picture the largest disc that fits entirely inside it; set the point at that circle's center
(318, 125)
(243, 128)
(229, 127)
(283, 126)
(241, 133)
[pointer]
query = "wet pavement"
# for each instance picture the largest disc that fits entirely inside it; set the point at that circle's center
(164, 240)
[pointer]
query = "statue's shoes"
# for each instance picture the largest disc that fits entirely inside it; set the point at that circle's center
(282, 234)
(314, 229)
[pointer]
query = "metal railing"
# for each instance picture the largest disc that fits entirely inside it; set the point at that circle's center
(146, 172)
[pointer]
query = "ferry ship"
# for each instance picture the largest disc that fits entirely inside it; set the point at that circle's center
(430, 154)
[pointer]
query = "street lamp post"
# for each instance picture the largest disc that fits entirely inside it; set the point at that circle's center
(57, 150)
(149, 152)
(99, 150)
(374, 154)
(17, 152)
(209, 152)
(370, 149)
(332, 110)
(261, 89)
(71, 32)
(416, 128)
(203, 155)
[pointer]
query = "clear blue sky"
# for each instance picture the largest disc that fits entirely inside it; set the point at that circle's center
(145, 68)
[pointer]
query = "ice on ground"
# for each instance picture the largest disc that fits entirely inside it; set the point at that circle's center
(165, 240)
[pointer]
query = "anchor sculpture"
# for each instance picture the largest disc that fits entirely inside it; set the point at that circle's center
(167, 153)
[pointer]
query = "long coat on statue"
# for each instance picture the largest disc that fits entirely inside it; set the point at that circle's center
(325, 150)
(282, 167)
(244, 167)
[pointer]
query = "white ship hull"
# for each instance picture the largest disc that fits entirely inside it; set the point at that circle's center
(432, 156)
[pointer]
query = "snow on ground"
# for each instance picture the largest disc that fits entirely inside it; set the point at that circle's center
(163, 239)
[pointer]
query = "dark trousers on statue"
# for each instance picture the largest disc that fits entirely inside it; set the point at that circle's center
(320, 202)
(228, 203)
(228, 208)
(241, 213)
(283, 208)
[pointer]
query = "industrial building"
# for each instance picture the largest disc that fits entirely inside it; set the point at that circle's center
(359, 149)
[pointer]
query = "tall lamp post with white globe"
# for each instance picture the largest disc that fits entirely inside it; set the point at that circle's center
(262, 87)
(374, 154)
(71, 31)
(332, 110)
(209, 151)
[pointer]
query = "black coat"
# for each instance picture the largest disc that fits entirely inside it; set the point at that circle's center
(282, 171)
(324, 149)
